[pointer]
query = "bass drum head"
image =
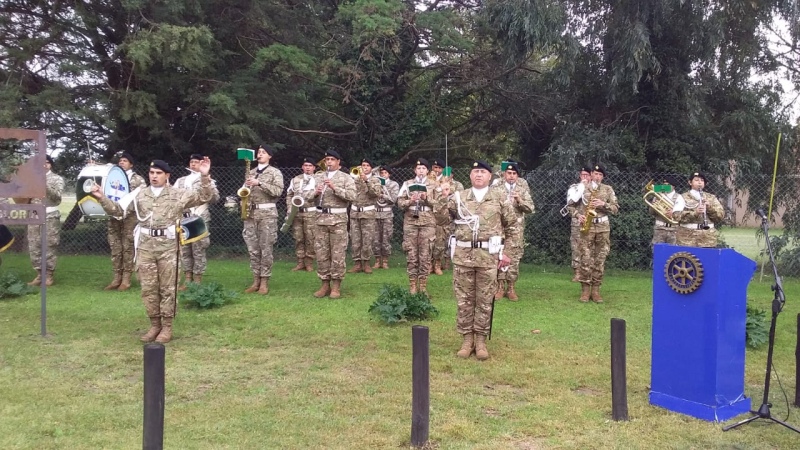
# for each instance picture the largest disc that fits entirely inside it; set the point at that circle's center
(111, 179)
(192, 229)
(6, 238)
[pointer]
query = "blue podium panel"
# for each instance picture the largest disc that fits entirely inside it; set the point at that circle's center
(699, 317)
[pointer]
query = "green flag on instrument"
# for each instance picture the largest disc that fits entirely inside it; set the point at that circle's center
(246, 153)
(417, 188)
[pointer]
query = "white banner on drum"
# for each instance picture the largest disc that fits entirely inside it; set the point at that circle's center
(111, 179)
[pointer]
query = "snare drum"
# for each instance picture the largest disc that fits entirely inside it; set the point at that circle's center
(113, 181)
(192, 229)
(6, 238)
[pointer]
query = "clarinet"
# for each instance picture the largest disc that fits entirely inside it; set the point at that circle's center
(704, 225)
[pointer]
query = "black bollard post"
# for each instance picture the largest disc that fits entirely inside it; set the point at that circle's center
(153, 432)
(420, 396)
(797, 366)
(619, 382)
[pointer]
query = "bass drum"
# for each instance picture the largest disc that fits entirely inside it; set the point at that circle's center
(112, 180)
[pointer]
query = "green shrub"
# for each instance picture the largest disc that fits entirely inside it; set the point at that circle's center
(12, 286)
(206, 295)
(396, 304)
(756, 329)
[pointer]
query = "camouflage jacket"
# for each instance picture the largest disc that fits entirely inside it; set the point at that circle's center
(367, 194)
(134, 180)
(305, 190)
(496, 217)
(269, 191)
(603, 192)
(54, 191)
(340, 196)
(714, 210)
(389, 198)
(425, 218)
(441, 214)
(202, 210)
(524, 206)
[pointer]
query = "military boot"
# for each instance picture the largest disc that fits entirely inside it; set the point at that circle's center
(575, 276)
(437, 267)
(585, 289)
(377, 264)
(446, 265)
(198, 278)
(263, 286)
(301, 265)
(481, 352)
(166, 331)
(36, 281)
(467, 346)
(155, 328)
(412, 285)
(254, 286)
(596, 294)
(324, 290)
(356, 268)
(48, 281)
(512, 294)
(385, 263)
(125, 284)
(367, 268)
(501, 292)
(114, 284)
(309, 264)
(187, 279)
(423, 286)
(336, 286)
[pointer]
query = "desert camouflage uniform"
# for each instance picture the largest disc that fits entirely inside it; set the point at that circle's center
(193, 255)
(516, 247)
(418, 233)
(384, 220)
(331, 232)
(474, 269)
(304, 224)
(261, 228)
(55, 189)
(689, 234)
(157, 253)
(664, 232)
(362, 218)
(120, 233)
(444, 226)
(596, 243)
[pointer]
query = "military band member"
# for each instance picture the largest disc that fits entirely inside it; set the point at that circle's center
(574, 196)
(362, 217)
(120, 233)
(304, 223)
(598, 201)
(261, 227)
(665, 232)
(419, 226)
(193, 255)
(697, 218)
(158, 209)
(482, 216)
(333, 194)
(54, 191)
(441, 258)
(384, 219)
(522, 203)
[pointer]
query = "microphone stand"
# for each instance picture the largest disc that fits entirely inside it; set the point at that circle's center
(777, 305)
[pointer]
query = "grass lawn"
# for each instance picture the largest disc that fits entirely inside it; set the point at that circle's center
(290, 371)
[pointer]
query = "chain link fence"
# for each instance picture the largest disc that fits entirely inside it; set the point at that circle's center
(546, 231)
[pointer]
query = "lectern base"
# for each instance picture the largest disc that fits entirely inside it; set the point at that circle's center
(712, 413)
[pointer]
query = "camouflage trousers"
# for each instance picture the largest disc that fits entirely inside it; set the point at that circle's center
(193, 256)
(260, 236)
(157, 273)
(303, 229)
(663, 235)
(515, 254)
(474, 288)
(330, 247)
(440, 243)
(383, 237)
(362, 238)
(34, 237)
(417, 245)
(595, 246)
(120, 240)
(575, 244)
(697, 238)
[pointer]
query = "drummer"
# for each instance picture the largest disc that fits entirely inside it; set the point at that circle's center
(120, 233)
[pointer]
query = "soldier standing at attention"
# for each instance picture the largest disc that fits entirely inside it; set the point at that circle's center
(261, 227)
(362, 217)
(574, 196)
(54, 191)
(419, 226)
(443, 224)
(158, 209)
(597, 203)
(665, 232)
(482, 217)
(384, 219)
(334, 192)
(700, 211)
(304, 223)
(521, 202)
(120, 233)
(193, 255)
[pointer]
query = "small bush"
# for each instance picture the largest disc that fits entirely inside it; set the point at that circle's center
(396, 304)
(757, 331)
(12, 286)
(206, 295)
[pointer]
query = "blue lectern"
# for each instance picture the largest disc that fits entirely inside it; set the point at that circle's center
(699, 316)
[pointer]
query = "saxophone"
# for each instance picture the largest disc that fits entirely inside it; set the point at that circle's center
(244, 192)
(590, 213)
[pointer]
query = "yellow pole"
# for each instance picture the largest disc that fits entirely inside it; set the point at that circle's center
(774, 174)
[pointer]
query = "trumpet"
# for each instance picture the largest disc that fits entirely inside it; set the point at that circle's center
(355, 171)
(244, 193)
(660, 202)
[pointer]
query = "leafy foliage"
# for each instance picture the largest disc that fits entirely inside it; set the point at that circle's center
(12, 286)
(756, 327)
(396, 304)
(206, 295)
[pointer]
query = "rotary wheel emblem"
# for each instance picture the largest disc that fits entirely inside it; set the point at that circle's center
(684, 272)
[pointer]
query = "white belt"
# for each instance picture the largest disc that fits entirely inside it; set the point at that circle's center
(305, 210)
(265, 206)
(663, 224)
(603, 219)
(50, 209)
(332, 210)
(155, 232)
(696, 226)
(470, 244)
(362, 209)
(422, 208)
(383, 209)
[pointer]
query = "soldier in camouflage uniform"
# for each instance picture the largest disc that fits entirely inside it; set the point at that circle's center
(443, 224)
(419, 226)
(362, 217)
(193, 254)
(384, 219)
(261, 227)
(120, 233)
(701, 210)
(574, 196)
(333, 194)
(158, 208)
(304, 223)
(55, 189)
(482, 215)
(520, 198)
(596, 243)
(665, 232)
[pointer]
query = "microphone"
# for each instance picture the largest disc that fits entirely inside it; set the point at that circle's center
(760, 213)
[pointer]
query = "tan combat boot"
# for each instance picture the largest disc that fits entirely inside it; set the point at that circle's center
(481, 352)
(437, 267)
(585, 289)
(155, 328)
(263, 286)
(48, 281)
(36, 281)
(356, 268)
(125, 284)
(187, 279)
(512, 294)
(423, 286)
(596, 294)
(324, 290)
(446, 265)
(467, 346)
(309, 264)
(301, 265)
(254, 286)
(501, 292)
(412, 285)
(367, 268)
(166, 331)
(575, 276)
(385, 263)
(114, 284)
(377, 264)
(336, 286)
(198, 278)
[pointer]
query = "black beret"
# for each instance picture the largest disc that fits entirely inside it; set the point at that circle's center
(513, 166)
(586, 169)
(437, 162)
(308, 160)
(599, 168)
(480, 164)
(333, 154)
(49, 159)
(387, 168)
(196, 156)
(368, 161)
(162, 165)
(127, 156)
(698, 175)
(423, 162)
(270, 150)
